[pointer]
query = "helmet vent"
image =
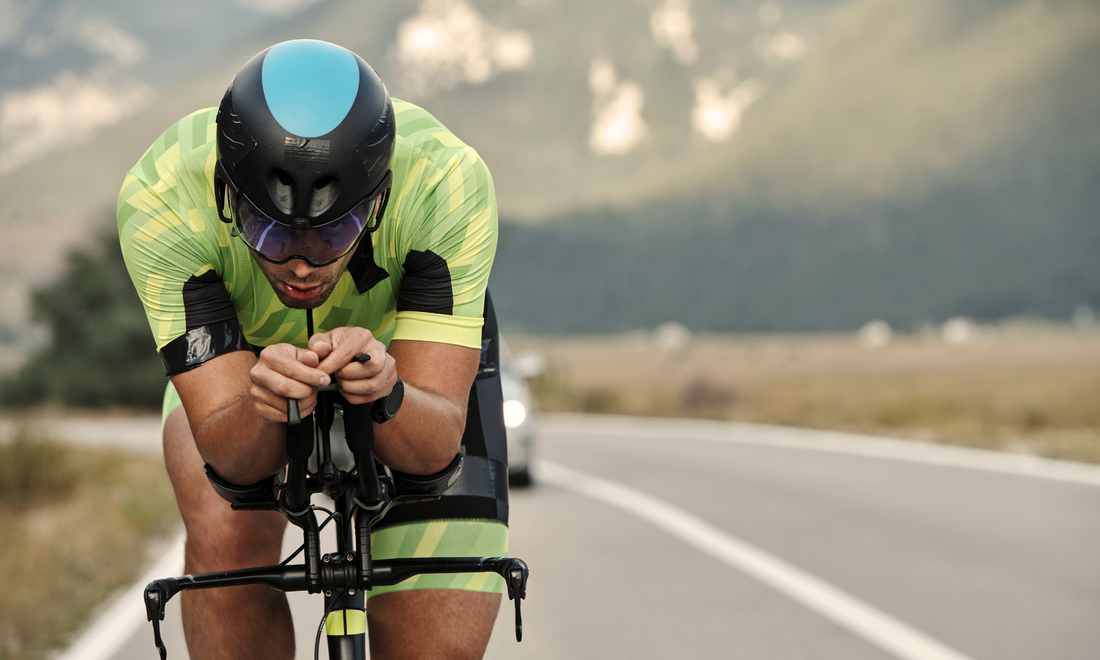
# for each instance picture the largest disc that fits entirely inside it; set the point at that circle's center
(325, 191)
(280, 186)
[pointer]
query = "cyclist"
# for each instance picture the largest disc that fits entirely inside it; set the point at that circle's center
(310, 188)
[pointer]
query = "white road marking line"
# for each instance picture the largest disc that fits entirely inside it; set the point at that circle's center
(891, 635)
(834, 442)
(118, 624)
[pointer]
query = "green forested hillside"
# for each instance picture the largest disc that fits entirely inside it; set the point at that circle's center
(1023, 247)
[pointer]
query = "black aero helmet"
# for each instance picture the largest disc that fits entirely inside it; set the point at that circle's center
(305, 136)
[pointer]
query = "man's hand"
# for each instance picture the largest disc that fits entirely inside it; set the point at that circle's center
(361, 381)
(286, 372)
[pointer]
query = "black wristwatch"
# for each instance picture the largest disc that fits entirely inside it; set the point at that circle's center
(383, 410)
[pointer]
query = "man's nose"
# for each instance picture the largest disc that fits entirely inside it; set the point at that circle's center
(300, 268)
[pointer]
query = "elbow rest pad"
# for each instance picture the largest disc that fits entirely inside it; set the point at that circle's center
(258, 494)
(429, 484)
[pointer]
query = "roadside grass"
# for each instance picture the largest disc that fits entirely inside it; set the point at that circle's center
(1037, 393)
(75, 525)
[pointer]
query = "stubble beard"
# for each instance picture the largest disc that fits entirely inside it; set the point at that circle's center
(327, 277)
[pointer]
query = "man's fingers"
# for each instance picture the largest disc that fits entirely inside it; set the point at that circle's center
(302, 366)
(289, 387)
(309, 357)
(321, 345)
(346, 344)
(264, 395)
(356, 373)
(279, 415)
(273, 407)
(360, 388)
(345, 360)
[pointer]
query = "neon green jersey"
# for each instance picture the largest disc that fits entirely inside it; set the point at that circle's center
(421, 275)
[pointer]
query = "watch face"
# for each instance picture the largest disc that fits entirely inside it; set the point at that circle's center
(394, 398)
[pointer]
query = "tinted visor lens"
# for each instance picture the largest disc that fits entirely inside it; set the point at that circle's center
(319, 246)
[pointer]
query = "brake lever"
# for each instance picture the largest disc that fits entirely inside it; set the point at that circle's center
(157, 595)
(516, 578)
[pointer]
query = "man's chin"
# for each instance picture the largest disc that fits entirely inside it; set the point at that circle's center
(298, 297)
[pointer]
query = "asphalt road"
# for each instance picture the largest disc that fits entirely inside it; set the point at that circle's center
(796, 544)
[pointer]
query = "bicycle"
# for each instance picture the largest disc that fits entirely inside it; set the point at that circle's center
(361, 497)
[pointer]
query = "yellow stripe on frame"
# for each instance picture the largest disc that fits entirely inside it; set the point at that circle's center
(346, 622)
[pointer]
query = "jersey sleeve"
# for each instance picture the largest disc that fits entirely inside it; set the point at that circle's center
(448, 252)
(169, 242)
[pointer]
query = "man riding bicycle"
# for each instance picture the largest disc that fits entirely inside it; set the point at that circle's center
(309, 188)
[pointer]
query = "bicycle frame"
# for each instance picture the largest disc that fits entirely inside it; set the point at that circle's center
(362, 497)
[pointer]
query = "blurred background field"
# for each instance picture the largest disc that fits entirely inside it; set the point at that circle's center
(75, 524)
(1022, 389)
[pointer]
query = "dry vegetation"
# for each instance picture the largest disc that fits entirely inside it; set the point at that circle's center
(1017, 390)
(75, 525)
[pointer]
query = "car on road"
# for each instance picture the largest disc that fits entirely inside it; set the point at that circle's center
(520, 411)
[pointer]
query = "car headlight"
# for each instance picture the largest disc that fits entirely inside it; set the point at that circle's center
(514, 413)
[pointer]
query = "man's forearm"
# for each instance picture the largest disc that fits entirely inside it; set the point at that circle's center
(424, 436)
(240, 446)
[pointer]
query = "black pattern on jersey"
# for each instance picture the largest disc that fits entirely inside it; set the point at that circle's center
(427, 284)
(205, 301)
(363, 270)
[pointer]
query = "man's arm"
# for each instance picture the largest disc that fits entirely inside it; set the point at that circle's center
(236, 406)
(426, 433)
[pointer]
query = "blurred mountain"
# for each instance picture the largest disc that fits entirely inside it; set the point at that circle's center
(731, 164)
(926, 160)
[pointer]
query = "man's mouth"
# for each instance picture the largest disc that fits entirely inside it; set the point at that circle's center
(301, 292)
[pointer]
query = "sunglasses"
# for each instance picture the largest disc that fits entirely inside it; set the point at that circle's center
(279, 243)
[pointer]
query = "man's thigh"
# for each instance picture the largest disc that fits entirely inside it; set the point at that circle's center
(431, 623)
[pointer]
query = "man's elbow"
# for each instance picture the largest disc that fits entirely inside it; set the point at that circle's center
(445, 453)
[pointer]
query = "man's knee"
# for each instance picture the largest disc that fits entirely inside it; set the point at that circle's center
(217, 536)
(227, 539)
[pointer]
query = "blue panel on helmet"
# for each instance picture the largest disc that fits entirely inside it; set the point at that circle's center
(309, 85)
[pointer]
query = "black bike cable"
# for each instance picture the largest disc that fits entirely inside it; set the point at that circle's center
(320, 628)
(313, 507)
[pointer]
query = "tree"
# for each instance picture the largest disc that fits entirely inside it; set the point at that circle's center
(100, 351)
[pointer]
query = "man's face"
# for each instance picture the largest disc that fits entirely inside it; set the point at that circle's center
(300, 285)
